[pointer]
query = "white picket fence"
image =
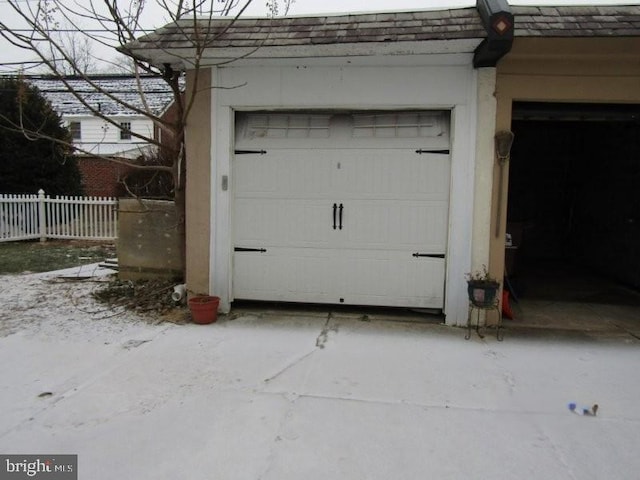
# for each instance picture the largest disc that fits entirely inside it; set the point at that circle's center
(24, 217)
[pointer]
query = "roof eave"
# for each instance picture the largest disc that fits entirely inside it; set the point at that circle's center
(183, 58)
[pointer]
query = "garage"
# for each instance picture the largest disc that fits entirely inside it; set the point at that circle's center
(340, 159)
(565, 222)
(341, 207)
(574, 201)
(245, 240)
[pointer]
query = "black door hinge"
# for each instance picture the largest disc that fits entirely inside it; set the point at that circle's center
(244, 249)
(250, 152)
(429, 255)
(438, 152)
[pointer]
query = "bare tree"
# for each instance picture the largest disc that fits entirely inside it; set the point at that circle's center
(57, 32)
(79, 49)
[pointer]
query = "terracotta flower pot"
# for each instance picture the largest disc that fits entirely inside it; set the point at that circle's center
(204, 309)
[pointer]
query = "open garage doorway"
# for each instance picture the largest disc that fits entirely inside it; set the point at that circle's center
(573, 258)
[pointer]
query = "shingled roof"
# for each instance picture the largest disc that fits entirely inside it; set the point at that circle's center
(158, 95)
(577, 21)
(356, 28)
(307, 35)
(319, 30)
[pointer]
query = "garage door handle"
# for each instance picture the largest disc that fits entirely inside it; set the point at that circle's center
(335, 210)
(340, 208)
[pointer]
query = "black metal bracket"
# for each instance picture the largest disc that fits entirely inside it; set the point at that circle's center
(250, 152)
(437, 152)
(243, 249)
(429, 255)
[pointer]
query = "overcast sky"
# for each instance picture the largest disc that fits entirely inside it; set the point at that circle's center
(155, 19)
(302, 7)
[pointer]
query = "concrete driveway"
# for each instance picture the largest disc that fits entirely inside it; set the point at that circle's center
(314, 395)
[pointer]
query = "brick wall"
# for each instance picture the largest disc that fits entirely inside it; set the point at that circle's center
(102, 178)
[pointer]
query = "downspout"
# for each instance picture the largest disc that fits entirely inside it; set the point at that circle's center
(498, 22)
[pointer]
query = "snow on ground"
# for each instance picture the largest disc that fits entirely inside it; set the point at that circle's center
(315, 395)
(60, 303)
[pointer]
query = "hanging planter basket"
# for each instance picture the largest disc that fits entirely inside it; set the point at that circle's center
(204, 309)
(483, 294)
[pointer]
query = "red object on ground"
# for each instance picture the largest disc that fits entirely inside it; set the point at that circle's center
(204, 309)
(506, 306)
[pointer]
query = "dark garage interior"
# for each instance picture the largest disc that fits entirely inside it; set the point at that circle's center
(574, 203)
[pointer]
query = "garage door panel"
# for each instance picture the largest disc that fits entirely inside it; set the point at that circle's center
(400, 225)
(278, 222)
(284, 174)
(379, 224)
(328, 173)
(347, 277)
(394, 174)
(282, 274)
(393, 279)
(394, 204)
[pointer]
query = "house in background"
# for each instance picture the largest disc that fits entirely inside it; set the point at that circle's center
(98, 140)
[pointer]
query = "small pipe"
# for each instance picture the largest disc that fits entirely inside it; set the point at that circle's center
(179, 292)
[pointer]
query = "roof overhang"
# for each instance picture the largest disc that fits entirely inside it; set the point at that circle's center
(365, 52)
(315, 38)
(487, 31)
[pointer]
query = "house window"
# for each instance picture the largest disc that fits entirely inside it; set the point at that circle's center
(76, 130)
(125, 130)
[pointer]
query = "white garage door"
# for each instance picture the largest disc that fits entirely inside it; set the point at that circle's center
(336, 208)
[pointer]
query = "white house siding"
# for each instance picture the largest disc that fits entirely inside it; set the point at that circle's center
(100, 137)
(438, 82)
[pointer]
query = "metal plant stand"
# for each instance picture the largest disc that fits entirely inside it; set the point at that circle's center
(486, 308)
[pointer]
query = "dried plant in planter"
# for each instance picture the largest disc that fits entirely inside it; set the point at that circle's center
(482, 288)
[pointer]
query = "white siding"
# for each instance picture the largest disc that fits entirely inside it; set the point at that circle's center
(99, 137)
